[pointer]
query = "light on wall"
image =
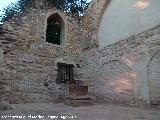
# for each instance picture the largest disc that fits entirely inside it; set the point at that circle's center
(141, 4)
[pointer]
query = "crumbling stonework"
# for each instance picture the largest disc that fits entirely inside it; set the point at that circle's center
(28, 61)
(91, 21)
(100, 70)
(130, 51)
(116, 74)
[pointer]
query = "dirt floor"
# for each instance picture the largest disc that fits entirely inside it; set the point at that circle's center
(49, 111)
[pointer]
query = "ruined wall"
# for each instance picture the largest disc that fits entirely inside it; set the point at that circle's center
(118, 73)
(28, 62)
(91, 21)
(125, 72)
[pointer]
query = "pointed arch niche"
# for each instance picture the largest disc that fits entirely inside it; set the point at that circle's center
(55, 31)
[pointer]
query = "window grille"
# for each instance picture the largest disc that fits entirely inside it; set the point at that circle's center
(65, 73)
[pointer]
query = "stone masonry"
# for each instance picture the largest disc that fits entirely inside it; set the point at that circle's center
(118, 74)
(28, 61)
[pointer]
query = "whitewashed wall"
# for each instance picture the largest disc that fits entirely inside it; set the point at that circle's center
(123, 18)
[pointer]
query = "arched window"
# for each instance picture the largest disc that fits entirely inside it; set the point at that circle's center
(55, 29)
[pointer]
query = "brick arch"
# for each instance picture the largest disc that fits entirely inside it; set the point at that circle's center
(91, 22)
(104, 7)
(153, 70)
(51, 12)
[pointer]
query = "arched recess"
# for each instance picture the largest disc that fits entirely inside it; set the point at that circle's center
(55, 29)
(154, 78)
(115, 83)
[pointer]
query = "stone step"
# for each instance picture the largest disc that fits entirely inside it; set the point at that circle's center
(77, 102)
(3, 92)
(78, 98)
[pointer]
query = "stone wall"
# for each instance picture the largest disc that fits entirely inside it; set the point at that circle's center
(120, 73)
(91, 21)
(117, 73)
(28, 62)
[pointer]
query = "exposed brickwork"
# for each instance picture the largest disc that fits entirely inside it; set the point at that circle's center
(98, 58)
(28, 62)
